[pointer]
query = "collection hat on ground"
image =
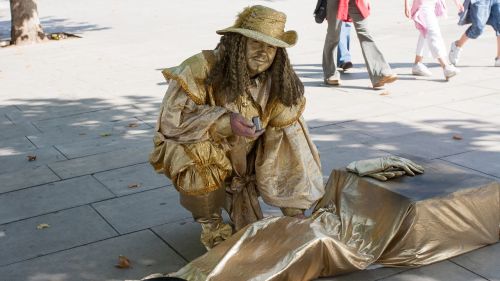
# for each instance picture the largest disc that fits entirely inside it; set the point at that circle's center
(263, 24)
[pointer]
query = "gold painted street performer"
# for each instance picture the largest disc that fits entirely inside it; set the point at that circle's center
(217, 158)
(207, 144)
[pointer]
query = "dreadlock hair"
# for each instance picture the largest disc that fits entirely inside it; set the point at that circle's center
(230, 73)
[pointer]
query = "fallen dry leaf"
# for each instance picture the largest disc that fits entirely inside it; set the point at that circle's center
(132, 125)
(42, 226)
(457, 137)
(134, 185)
(384, 93)
(105, 134)
(31, 157)
(123, 262)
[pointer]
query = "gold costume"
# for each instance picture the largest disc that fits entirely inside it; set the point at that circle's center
(410, 221)
(194, 147)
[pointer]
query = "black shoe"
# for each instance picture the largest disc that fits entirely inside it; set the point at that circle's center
(346, 65)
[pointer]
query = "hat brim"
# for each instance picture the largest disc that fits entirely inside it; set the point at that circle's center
(286, 40)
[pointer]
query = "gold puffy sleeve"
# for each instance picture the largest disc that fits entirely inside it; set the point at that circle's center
(288, 169)
(183, 120)
(189, 135)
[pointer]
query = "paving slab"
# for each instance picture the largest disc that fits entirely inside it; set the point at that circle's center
(100, 162)
(50, 197)
(387, 126)
(6, 109)
(444, 270)
(106, 144)
(447, 119)
(56, 108)
(423, 144)
(417, 98)
(95, 131)
(18, 130)
(20, 160)
(493, 98)
(96, 261)
(484, 262)
(340, 157)
(5, 122)
(69, 228)
(183, 236)
(141, 177)
(142, 210)
(26, 177)
(335, 135)
(320, 117)
(366, 275)
(491, 83)
(90, 119)
(469, 170)
(150, 106)
(15, 145)
(474, 107)
(487, 162)
(150, 119)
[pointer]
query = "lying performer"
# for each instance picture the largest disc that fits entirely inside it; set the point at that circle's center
(207, 145)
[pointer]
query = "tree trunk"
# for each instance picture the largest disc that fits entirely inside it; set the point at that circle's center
(25, 24)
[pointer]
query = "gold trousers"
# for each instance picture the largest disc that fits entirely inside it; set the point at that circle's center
(207, 210)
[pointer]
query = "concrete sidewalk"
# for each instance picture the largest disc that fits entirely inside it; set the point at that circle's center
(86, 108)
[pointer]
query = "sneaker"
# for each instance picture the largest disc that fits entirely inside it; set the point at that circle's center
(333, 80)
(450, 71)
(454, 54)
(346, 65)
(419, 69)
(497, 62)
(385, 79)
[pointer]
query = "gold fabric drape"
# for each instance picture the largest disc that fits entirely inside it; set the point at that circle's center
(410, 221)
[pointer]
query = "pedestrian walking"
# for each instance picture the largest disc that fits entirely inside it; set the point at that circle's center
(478, 13)
(357, 11)
(425, 14)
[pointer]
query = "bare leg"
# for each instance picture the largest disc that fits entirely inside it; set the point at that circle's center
(498, 46)
(442, 62)
(460, 42)
(418, 59)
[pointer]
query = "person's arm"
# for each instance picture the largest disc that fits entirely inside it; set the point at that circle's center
(460, 5)
(407, 9)
(287, 165)
(184, 120)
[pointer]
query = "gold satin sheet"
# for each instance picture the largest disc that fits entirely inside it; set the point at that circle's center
(409, 221)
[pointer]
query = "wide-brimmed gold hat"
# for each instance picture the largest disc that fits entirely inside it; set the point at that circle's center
(263, 24)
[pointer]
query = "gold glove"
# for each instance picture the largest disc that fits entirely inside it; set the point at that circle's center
(385, 168)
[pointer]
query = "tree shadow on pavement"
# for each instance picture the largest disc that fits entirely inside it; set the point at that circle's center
(468, 143)
(101, 126)
(62, 130)
(53, 25)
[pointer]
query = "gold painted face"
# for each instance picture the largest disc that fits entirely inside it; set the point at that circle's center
(259, 56)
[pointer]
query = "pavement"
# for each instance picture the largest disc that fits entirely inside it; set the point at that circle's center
(86, 109)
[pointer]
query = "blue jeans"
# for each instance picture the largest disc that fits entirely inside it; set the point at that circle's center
(483, 12)
(343, 54)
